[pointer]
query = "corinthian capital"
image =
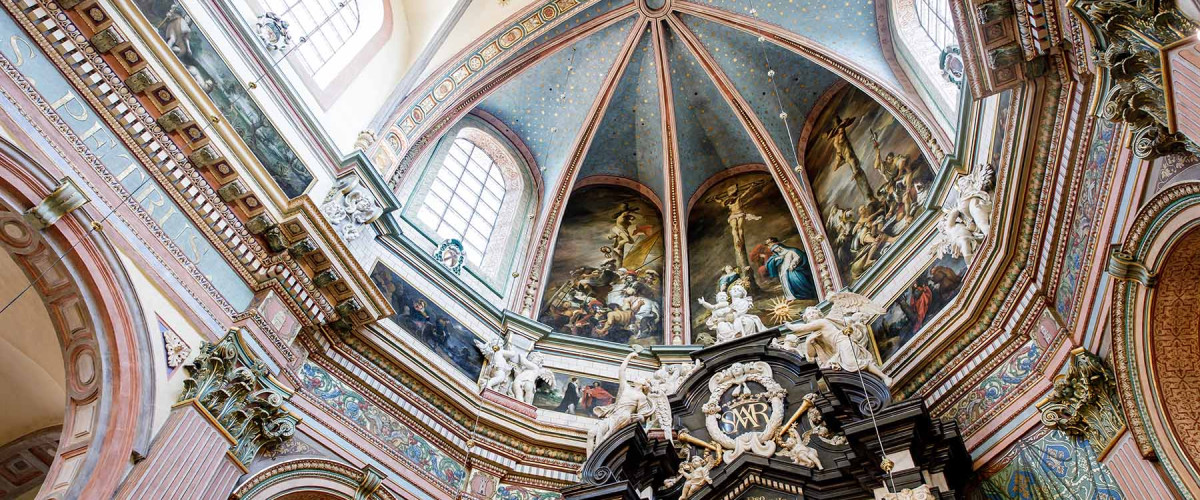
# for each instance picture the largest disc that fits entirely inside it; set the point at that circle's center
(240, 394)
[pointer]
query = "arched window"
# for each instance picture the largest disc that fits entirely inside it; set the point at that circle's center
(319, 27)
(478, 186)
(934, 18)
(465, 198)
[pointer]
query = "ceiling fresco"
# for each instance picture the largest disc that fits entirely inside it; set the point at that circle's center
(712, 65)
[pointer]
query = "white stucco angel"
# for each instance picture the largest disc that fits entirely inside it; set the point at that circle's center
(744, 322)
(668, 376)
(501, 362)
(795, 446)
(720, 317)
(838, 340)
(964, 226)
(636, 402)
(955, 236)
(974, 201)
(527, 373)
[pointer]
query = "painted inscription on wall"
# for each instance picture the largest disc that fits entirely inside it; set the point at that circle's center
(59, 102)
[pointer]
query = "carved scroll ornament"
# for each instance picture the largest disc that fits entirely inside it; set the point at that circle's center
(1131, 37)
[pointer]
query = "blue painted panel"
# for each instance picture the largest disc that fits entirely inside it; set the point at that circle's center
(629, 141)
(121, 163)
(532, 105)
(711, 138)
(744, 60)
(846, 27)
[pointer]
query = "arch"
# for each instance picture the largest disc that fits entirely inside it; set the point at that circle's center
(1153, 323)
(310, 478)
(846, 189)
(612, 180)
(98, 319)
(720, 176)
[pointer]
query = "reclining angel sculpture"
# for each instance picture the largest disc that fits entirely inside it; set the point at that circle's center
(838, 340)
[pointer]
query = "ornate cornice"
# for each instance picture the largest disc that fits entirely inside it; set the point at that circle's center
(185, 161)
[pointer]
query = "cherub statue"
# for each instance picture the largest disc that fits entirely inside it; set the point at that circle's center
(839, 340)
(744, 322)
(694, 473)
(795, 447)
(636, 402)
(955, 236)
(974, 201)
(668, 376)
(720, 318)
(529, 371)
(501, 361)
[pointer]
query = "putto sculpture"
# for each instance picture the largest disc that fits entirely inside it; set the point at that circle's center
(501, 361)
(512, 373)
(730, 317)
(527, 374)
(838, 340)
(964, 226)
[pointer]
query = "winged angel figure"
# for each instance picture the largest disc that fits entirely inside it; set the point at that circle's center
(838, 340)
(638, 401)
(965, 225)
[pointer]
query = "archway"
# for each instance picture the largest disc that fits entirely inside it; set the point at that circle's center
(104, 344)
(1156, 331)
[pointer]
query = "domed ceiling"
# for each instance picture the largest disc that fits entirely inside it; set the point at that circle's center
(672, 99)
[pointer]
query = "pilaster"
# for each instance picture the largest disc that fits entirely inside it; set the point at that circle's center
(230, 409)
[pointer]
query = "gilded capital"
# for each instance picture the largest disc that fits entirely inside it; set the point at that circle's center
(1131, 38)
(239, 392)
(1084, 401)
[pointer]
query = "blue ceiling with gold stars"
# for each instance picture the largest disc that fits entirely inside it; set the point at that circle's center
(794, 88)
(729, 77)
(629, 141)
(546, 105)
(711, 138)
(845, 27)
